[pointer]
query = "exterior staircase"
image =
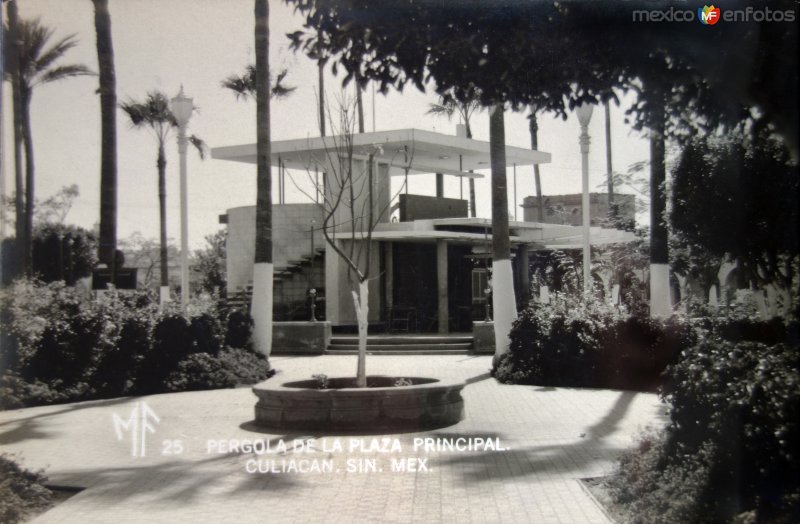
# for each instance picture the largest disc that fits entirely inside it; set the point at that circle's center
(455, 344)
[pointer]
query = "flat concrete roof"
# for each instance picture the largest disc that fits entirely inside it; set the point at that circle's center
(426, 151)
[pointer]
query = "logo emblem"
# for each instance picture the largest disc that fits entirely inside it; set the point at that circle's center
(138, 425)
(708, 15)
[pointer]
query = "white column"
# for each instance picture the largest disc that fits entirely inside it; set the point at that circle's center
(182, 145)
(584, 116)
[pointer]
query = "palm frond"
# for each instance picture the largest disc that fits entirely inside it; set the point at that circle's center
(244, 86)
(200, 145)
(65, 71)
(442, 109)
(55, 52)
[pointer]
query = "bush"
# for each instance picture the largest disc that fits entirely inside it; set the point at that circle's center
(742, 397)
(198, 372)
(573, 343)
(239, 329)
(651, 490)
(22, 492)
(206, 333)
(231, 367)
(172, 343)
(62, 347)
(247, 366)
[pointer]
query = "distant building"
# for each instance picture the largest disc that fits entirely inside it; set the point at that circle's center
(567, 209)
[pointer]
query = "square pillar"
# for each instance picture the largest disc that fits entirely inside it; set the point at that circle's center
(441, 285)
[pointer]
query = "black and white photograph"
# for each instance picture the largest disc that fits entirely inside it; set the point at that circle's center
(402, 261)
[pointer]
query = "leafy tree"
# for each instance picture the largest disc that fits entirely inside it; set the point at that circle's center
(556, 55)
(63, 252)
(210, 262)
(36, 63)
(155, 115)
(107, 248)
(737, 196)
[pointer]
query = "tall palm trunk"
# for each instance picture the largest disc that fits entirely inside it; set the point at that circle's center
(359, 105)
(660, 303)
(263, 269)
(321, 80)
(19, 184)
(612, 212)
(503, 299)
(108, 126)
(533, 127)
(162, 213)
(27, 141)
(473, 212)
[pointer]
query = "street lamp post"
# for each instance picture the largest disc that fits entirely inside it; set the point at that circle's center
(182, 108)
(312, 293)
(584, 116)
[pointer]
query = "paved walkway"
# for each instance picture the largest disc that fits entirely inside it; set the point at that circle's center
(552, 436)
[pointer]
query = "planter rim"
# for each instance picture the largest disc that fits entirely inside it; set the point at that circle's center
(281, 387)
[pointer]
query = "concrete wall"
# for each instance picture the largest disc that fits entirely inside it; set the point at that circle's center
(291, 238)
(339, 307)
(567, 209)
(419, 207)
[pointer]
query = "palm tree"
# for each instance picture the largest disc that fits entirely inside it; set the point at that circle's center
(154, 114)
(261, 308)
(107, 246)
(503, 300)
(448, 106)
(244, 86)
(12, 58)
(36, 65)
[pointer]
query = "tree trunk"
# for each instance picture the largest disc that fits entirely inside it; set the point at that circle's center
(19, 184)
(503, 299)
(533, 126)
(27, 141)
(359, 106)
(361, 302)
(263, 269)
(660, 303)
(612, 211)
(162, 214)
(107, 244)
(472, 211)
(321, 75)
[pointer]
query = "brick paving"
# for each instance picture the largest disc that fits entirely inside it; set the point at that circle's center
(553, 436)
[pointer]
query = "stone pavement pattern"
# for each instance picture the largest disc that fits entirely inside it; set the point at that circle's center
(554, 437)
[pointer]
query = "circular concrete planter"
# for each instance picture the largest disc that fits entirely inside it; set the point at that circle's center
(428, 403)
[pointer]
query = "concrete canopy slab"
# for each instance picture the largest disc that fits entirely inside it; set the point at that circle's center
(425, 151)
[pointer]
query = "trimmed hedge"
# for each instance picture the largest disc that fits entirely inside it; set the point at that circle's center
(568, 343)
(67, 348)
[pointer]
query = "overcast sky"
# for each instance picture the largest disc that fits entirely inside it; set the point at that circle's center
(161, 44)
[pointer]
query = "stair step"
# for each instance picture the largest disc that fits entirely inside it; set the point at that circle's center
(403, 340)
(389, 352)
(402, 347)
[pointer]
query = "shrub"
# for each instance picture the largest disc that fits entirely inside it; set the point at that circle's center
(744, 398)
(198, 372)
(239, 329)
(570, 342)
(206, 334)
(172, 343)
(247, 366)
(22, 492)
(651, 490)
